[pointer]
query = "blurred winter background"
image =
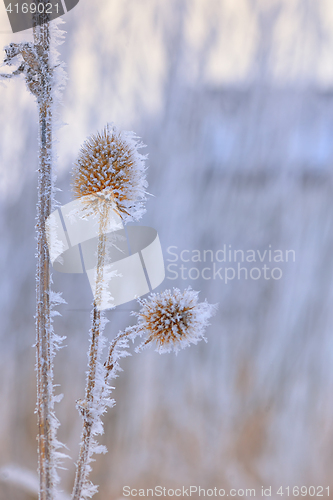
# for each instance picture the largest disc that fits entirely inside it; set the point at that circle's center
(234, 99)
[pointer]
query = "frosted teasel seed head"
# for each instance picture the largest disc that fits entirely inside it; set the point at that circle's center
(110, 170)
(172, 319)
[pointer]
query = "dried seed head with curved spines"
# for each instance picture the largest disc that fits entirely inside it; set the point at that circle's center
(172, 319)
(109, 163)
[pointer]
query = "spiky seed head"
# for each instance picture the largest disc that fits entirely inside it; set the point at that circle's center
(172, 319)
(110, 163)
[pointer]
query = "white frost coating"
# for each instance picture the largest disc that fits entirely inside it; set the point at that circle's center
(59, 80)
(136, 190)
(104, 299)
(54, 233)
(172, 319)
(55, 345)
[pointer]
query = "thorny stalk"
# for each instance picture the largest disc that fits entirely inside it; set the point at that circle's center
(111, 366)
(87, 406)
(35, 65)
(43, 325)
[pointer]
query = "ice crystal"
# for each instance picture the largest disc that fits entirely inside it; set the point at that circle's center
(172, 319)
(110, 168)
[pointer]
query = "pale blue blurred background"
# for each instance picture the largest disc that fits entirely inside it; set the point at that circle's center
(234, 99)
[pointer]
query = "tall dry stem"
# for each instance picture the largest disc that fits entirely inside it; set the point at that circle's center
(92, 396)
(34, 59)
(43, 323)
(86, 407)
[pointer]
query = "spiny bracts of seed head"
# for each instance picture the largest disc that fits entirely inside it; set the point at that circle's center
(172, 319)
(110, 162)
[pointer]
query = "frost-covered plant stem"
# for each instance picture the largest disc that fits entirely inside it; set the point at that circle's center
(85, 407)
(97, 399)
(43, 321)
(93, 393)
(37, 62)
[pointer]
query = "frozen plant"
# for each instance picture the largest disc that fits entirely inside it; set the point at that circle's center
(109, 177)
(172, 320)
(110, 165)
(38, 62)
(109, 174)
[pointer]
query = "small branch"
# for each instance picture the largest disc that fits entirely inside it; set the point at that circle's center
(111, 365)
(32, 61)
(17, 72)
(89, 405)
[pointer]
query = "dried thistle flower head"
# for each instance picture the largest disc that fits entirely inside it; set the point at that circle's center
(109, 166)
(172, 319)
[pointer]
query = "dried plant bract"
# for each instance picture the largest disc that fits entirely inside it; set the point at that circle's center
(172, 319)
(109, 164)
